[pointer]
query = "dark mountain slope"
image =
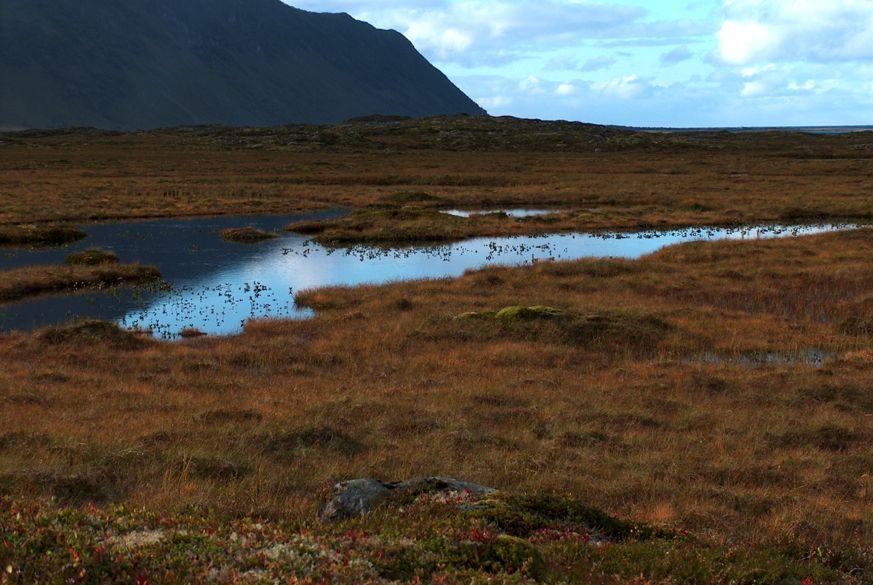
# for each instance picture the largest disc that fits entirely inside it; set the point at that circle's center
(151, 63)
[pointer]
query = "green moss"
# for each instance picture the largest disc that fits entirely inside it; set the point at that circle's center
(523, 515)
(512, 314)
(494, 555)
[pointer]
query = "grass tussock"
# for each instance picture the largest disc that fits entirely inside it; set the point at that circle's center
(246, 235)
(38, 280)
(92, 257)
(614, 329)
(39, 235)
(88, 333)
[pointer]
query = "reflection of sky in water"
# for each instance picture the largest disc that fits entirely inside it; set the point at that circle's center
(508, 212)
(217, 286)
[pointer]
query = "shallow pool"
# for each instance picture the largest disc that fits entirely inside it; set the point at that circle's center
(216, 286)
(516, 213)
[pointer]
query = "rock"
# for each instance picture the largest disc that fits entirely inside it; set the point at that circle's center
(354, 498)
(430, 485)
(358, 497)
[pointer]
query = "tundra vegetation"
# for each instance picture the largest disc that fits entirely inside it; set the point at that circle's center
(616, 405)
(246, 235)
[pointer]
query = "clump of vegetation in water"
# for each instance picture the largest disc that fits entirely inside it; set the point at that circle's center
(92, 257)
(37, 280)
(32, 235)
(247, 235)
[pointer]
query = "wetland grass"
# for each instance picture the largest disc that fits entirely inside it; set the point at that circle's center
(31, 281)
(758, 473)
(246, 235)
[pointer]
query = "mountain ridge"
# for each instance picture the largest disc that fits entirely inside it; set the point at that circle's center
(143, 64)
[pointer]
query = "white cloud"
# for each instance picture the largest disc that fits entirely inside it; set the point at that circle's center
(744, 41)
(753, 89)
(494, 102)
(532, 84)
(565, 89)
(627, 87)
(754, 31)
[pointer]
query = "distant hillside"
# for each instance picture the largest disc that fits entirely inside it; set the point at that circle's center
(127, 64)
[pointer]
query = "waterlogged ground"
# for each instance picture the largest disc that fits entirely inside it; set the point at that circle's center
(216, 286)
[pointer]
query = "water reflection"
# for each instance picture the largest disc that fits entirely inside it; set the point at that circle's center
(216, 286)
(517, 213)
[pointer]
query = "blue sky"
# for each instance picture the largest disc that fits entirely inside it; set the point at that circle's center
(646, 63)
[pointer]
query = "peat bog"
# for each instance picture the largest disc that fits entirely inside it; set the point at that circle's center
(648, 412)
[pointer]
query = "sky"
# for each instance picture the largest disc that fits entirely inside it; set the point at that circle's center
(678, 63)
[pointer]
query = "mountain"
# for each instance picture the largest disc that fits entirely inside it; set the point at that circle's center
(138, 64)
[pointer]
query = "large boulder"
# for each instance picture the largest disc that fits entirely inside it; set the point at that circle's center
(358, 497)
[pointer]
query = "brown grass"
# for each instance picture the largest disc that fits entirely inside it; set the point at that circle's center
(38, 235)
(37, 280)
(670, 180)
(92, 257)
(246, 235)
(615, 405)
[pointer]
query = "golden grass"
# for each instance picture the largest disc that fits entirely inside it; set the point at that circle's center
(77, 276)
(246, 235)
(385, 383)
(690, 180)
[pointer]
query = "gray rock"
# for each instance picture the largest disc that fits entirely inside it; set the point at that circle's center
(430, 485)
(354, 498)
(358, 497)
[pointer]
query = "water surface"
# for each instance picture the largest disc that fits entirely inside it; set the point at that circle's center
(216, 286)
(517, 213)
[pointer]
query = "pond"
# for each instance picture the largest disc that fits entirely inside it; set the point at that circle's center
(216, 286)
(516, 213)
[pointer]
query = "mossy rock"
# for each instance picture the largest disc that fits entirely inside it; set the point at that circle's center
(92, 257)
(536, 313)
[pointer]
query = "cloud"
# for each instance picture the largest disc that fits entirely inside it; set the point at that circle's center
(470, 31)
(570, 63)
(796, 30)
(677, 55)
(744, 62)
(627, 87)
